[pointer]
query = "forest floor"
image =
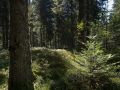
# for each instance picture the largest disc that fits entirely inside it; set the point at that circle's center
(55, 69)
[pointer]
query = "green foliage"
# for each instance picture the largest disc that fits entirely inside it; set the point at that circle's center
(96, 59)
(51, 68)
(80, 26)
(61, 70)
(115, 26)
(4, 61)
(104, 35)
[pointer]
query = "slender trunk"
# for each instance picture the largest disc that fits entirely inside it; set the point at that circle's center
(3, 26)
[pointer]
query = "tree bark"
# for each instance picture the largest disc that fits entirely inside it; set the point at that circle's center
(20, 72)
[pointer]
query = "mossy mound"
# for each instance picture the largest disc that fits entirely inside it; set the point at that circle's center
(58, 69)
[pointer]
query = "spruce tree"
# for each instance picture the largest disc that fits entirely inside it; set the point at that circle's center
(20, 72)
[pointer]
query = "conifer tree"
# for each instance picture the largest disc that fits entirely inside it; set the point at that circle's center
(20, 72)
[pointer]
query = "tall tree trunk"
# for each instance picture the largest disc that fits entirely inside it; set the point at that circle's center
(3, 25)
(20, 72)
(6, 24)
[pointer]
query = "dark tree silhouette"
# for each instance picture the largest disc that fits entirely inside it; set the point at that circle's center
(20, 72)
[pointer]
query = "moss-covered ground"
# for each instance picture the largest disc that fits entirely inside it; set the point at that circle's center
(56, 69)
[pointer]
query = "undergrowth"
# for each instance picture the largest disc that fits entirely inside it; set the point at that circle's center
(58, 69)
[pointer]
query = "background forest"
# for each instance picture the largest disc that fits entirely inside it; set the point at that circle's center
(59, 45)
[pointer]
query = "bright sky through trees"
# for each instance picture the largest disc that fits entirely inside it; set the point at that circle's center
(110, 4)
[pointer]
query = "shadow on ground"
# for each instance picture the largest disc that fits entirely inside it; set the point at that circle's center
(53, 68)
